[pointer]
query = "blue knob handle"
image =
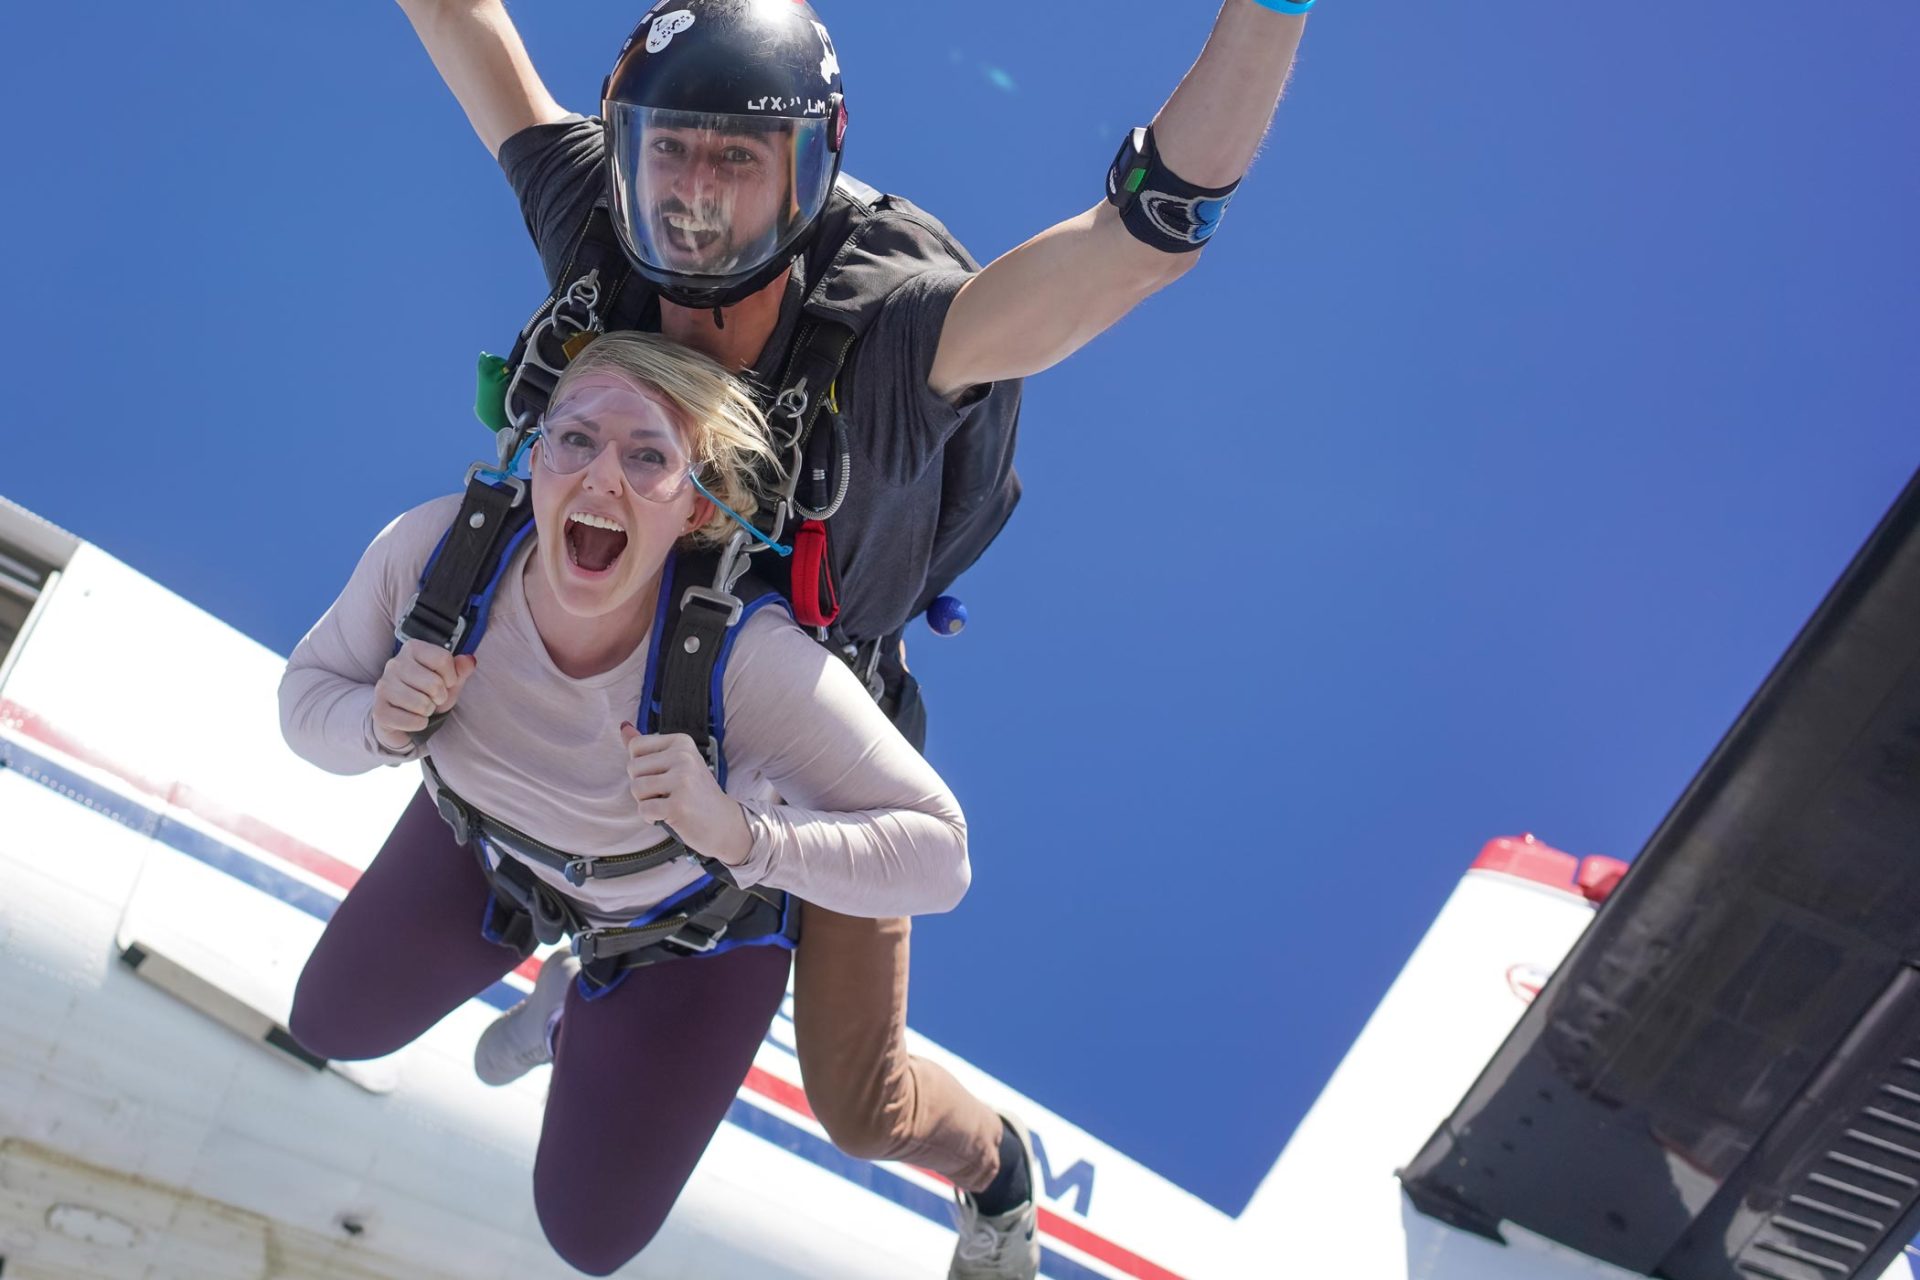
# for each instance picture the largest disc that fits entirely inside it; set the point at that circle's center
(947, 616)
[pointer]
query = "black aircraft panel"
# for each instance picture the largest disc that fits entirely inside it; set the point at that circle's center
(1722, 1079)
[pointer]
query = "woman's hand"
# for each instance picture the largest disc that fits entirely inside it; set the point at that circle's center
(671, 784)
(419, 682)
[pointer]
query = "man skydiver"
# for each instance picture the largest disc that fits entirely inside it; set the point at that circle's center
(716, 157)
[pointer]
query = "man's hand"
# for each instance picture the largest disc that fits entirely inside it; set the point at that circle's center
(671, 784)
(419, 682)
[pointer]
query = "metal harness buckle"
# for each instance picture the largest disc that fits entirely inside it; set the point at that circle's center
(496, 475)
(401, 633)
(679, 937)
(718, 599)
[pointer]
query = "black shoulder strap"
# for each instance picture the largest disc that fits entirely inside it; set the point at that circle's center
(448, 610)
(468, 560)
(693, 635)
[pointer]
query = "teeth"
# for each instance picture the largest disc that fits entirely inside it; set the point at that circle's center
(681, 222)
(596, 522)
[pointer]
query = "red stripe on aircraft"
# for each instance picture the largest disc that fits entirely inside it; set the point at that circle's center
(1069, 1232)
(179, 795)
(791, 1096)
(1065, 1230)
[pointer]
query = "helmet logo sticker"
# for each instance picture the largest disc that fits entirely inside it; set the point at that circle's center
(666, 27)
(829, 65)
(805, 106)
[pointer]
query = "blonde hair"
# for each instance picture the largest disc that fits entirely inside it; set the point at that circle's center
(726, 432)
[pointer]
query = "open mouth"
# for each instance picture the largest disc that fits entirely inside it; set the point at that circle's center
(594, 543)
(689, 235)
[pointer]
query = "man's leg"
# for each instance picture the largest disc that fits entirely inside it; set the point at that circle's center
(404, 949)
(642, 1077)
(876, 1100)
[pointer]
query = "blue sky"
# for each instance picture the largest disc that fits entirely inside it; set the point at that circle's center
(1552, 362)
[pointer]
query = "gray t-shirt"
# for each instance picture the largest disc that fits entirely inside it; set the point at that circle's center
(932, 480)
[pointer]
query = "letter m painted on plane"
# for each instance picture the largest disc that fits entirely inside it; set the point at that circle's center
(1077, 1179)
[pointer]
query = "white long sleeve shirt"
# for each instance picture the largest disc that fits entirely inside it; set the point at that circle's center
(844, 813)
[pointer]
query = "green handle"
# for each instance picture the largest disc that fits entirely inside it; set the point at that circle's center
(490, 392)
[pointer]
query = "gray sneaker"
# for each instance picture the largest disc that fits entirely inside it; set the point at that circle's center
(1005, 1246)
(521, 1038)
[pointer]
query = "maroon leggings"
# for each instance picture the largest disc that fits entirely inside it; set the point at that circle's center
(641, 1077)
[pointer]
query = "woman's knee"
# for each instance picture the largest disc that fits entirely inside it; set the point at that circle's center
(335, 1028)
(597, 1241)
(596, 1256)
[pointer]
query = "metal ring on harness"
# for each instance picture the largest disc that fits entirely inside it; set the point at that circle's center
(792, 403)
(577, 310)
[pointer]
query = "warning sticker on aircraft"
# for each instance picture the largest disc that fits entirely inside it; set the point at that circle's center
(1525, 981)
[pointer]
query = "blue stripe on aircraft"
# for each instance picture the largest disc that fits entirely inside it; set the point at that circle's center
(198, 845)
(297, 893)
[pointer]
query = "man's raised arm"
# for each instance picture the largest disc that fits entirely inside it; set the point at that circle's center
(478, 53)
(1035, 305)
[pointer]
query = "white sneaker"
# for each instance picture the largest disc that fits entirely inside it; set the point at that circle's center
(1005, 1246)
(521, 1038)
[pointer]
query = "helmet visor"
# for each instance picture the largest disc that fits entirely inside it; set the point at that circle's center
(713, 198)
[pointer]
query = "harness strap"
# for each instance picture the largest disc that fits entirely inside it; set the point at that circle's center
(524, 912)
(816, 595)
(695, 638)
(468, 821)
(814, 360)
(467, 559)
(695, 927)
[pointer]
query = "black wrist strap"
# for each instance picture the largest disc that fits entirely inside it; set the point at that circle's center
(1157, 206)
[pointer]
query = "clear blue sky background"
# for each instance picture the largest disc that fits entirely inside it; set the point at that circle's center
(1551, 364)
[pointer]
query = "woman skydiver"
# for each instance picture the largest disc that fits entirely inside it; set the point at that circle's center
(647, 450)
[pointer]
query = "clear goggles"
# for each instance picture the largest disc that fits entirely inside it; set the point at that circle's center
(653, 458)
(583, 426)
(713, 198)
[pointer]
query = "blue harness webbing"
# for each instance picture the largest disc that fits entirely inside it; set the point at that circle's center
(682, 692)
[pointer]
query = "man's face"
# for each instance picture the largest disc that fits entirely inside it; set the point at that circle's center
(717, 197)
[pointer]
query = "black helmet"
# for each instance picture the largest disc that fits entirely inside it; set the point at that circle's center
(723, 126)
